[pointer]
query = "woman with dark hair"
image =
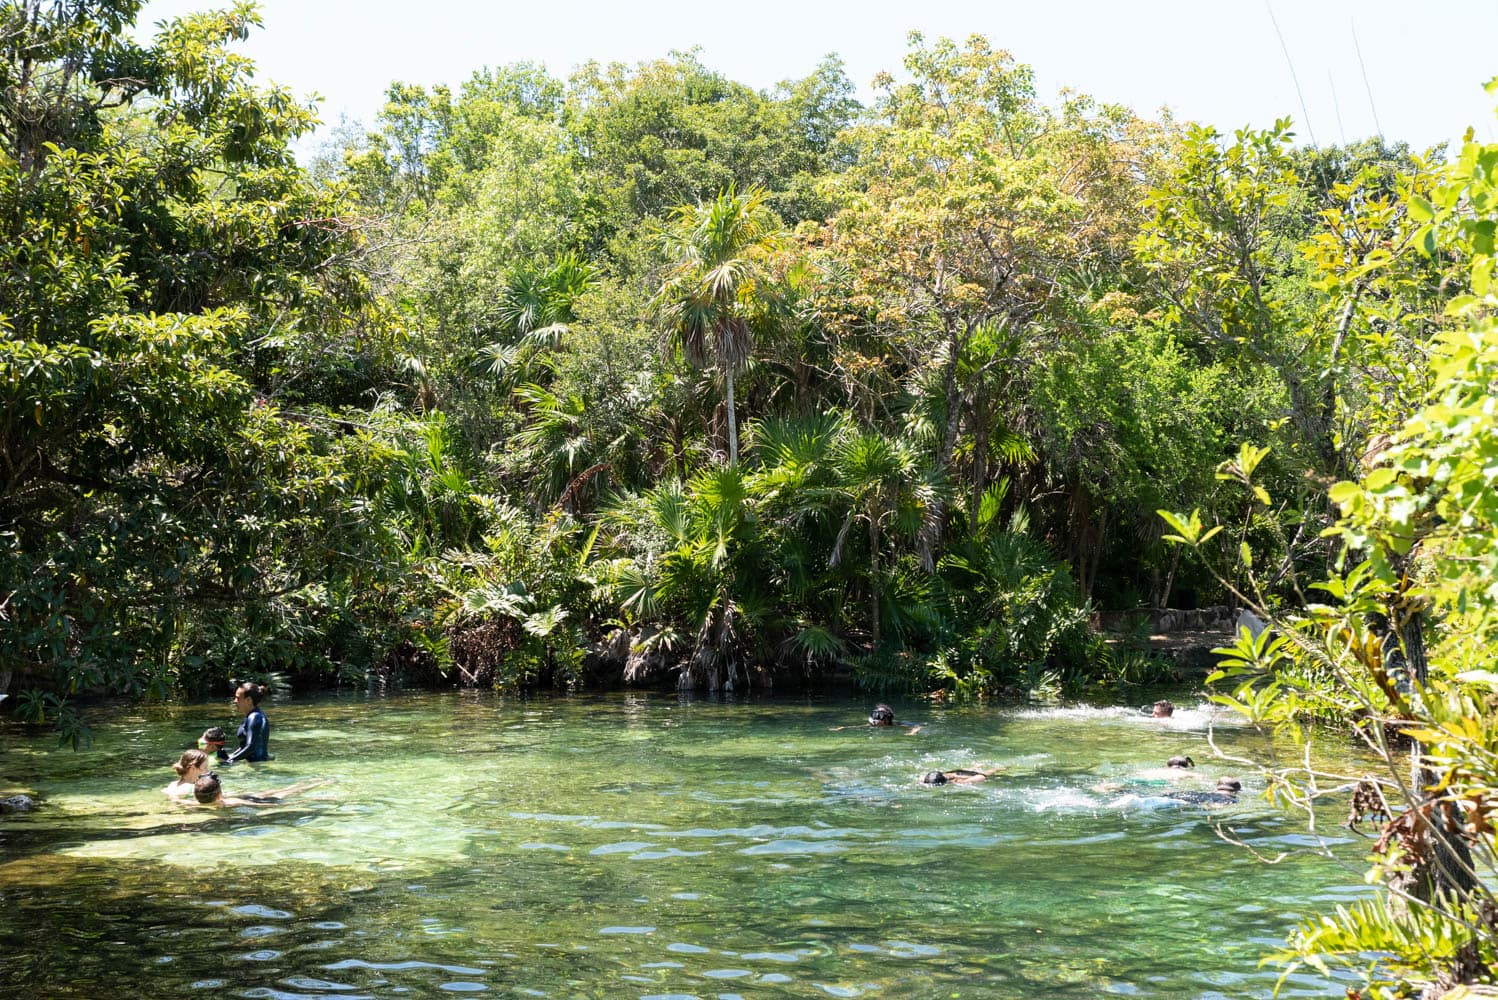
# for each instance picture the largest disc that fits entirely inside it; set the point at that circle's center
(958, 776)
(209, 791)
(212, 741)
(254, 731)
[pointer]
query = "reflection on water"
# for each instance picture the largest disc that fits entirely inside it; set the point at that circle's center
(634, 846)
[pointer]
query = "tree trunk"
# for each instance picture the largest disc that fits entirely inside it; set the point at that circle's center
(929, 540)
(980, 468)
(1163, 601)
(678, 450)
(1086, 541)
(733, 427)
(874, 590)
(954, 405)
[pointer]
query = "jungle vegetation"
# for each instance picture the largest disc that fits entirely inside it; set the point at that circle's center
(646, 376)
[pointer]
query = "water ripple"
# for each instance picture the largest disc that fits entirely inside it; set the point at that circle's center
(309, 983)
(623, 847)
(764, 830)
(359, 963)
(261, 930)
(264, 912)
(268, 993)
(795, 847)
(671, 852)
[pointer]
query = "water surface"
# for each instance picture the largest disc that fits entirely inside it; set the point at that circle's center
(645, 846)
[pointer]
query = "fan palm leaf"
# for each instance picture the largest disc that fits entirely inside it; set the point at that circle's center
(715, 293)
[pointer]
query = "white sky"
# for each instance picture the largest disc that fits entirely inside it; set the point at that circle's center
(1212, 61)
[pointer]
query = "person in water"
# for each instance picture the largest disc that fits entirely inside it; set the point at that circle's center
(883, 715)
(212, 741)
(209, 791)
(1225, 795)
(958, 776)
(192, 765)
(254, 731)
(1162, 709)
(1155, 777)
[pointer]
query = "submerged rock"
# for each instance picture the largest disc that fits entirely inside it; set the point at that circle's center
(17, 804)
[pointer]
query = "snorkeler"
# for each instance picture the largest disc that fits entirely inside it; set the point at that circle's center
(209, 791)
(254, 732)
(958, 776)
(881, 716)
(192, 765)
(1155, 777)
(212, 741)
(1226, 794)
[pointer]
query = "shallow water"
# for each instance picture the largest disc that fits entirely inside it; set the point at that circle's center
(644, 846)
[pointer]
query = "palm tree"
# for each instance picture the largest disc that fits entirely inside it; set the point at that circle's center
(534, 315)
(702, 563)
(717, 292)
(880, 482)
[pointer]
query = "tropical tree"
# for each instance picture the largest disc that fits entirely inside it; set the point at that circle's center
(878, 482)
(719, 292)
(962, 219)
(674, 132)
(700, 575)
(174, 291)
(1011, 613)
(1401, 646)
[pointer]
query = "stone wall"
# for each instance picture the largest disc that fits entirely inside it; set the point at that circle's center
(1167, 620)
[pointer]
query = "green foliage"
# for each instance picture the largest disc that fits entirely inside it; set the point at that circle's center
(1142, 423)
(717, 294)
(457, 406)
(173, 286)
(673, 132)
(703, 566)
(502, 612)
(1012, 614)
(1402, 645)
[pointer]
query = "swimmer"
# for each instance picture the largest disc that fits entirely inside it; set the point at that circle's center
(254, 732)
(192, 765)
(1174, 768)
(1225, 795)
(212, 741)
(1162, 709)
(209, 791)
(883, 716)
(958, 776)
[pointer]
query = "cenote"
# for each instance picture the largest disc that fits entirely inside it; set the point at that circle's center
(646, 846)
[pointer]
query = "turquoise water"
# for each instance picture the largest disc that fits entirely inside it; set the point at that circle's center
(645, 846)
